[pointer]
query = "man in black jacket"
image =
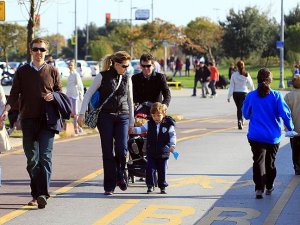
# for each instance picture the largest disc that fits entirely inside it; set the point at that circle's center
(150, 86)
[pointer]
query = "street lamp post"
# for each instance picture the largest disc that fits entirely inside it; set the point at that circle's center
(281, 82)
(76, 38)
(87, 29)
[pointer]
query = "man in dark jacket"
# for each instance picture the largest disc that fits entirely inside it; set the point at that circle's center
(35, 83)
(150, 86)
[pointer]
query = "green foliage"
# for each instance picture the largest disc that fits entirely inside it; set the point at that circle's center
(246, 32)
(100, 48)
(293, 17)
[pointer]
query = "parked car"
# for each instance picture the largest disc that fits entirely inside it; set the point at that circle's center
(63, 69)
(94, 65)
(136, 66)
(16, 65)
(83, 69)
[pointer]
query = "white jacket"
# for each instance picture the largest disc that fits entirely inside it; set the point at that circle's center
(75, 86)
(240, 83)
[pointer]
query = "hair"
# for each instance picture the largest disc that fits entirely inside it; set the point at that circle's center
(158, 107)
(118, 57)
(264, 79)
(39, 40)
(147, 57)
(296, 81)
(71, 62)
(242, 68)
(210, 64)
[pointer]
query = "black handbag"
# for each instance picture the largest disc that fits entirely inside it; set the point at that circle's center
(92, 117)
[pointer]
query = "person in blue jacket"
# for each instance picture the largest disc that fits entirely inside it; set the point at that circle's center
(264, 107)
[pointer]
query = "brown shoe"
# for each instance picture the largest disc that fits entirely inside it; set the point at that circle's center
(33, 202)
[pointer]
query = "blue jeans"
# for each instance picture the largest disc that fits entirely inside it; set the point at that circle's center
(38, 145)
(113, 131)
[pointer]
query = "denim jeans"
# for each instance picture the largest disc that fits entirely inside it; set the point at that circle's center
(159, 165)
(38, 145)
(113, 131)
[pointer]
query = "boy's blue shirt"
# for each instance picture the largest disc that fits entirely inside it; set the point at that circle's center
(264, 114)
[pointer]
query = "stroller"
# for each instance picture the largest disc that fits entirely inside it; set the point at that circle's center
(136, 165)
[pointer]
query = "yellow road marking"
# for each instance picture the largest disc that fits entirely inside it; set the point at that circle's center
(62, 190)
(280, 204)
(192, 130)
(117, 212)
(203, 119)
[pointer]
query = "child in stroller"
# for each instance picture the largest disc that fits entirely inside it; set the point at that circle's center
(136, 164)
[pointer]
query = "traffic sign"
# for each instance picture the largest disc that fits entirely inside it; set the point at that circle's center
(2, 10)
(279, 44)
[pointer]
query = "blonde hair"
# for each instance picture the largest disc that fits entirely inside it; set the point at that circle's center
(158, 107)
(117, 57)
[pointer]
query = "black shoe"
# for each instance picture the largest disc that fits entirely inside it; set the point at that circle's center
(297, 172)
(150, 189)
(41, 201)
(163, 191)
(122, 184)
(240, 126)
(193, 95)
(269, 191)
(259, 194)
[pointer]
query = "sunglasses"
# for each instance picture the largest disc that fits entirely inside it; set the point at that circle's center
(124, 66)
(146, 66)
(35, 49)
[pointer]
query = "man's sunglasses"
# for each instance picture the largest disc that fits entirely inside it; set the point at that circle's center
(144, 66)
(35, 49)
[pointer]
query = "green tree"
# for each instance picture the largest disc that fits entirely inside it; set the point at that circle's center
(204, 35)
(293, 17)
(57, 42)
(12, 40)
(100, 48)
(246, 32)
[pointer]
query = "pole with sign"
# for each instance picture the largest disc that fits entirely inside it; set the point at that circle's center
(2, 10)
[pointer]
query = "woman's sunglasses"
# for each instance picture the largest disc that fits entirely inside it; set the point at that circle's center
(35, 49)
(123, 66)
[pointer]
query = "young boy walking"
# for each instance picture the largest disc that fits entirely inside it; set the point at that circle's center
(161, 140)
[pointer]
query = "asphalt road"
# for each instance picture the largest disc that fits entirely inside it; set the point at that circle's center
(210, 183)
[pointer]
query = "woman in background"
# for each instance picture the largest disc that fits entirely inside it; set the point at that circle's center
(240, 83)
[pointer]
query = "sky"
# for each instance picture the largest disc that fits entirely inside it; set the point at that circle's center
(58, 16)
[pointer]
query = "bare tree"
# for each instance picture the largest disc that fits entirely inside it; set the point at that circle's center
(32, 7)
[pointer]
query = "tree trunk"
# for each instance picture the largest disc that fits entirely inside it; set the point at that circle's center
(211, 56)
(30, 29)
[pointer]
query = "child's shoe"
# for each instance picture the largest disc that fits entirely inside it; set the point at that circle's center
(150, 189)
(163, 191)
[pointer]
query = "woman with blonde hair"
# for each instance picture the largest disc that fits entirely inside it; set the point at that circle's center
(240, 84)
(115, 118)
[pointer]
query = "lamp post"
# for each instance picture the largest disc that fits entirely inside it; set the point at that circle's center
(131, 43)
(87, 28)
(281, 82)
(76, 38)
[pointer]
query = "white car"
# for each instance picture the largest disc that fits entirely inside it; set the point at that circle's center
(83, 69)
(63, 69)
(94, 65)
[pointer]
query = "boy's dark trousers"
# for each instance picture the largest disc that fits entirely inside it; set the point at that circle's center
(295, 145)
(159, 165)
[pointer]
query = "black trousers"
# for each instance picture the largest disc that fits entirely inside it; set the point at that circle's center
(264, 169)
(295, 145)
(239, 98)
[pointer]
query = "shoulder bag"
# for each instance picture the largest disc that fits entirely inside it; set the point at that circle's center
(92, 117)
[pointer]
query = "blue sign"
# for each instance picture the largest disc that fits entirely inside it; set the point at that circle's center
(279, 44)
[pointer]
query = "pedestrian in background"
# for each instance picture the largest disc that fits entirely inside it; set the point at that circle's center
(214, 77)
(293, 101)
(231, 70)
(204, 77)
(36, 83)
(161, 140)
(4, 139)
(75, 93)
(178, 67)
(187, 66)
(115, 117)
(264, 107)
(240, 84)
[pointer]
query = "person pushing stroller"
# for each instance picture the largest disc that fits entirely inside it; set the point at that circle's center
(161, 140)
